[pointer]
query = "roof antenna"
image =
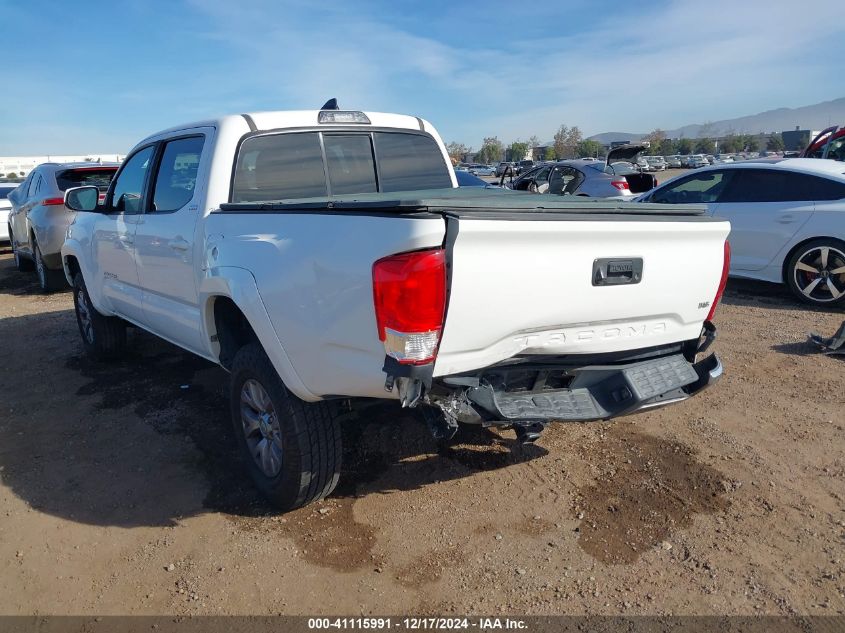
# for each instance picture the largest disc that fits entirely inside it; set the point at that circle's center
(331, 104)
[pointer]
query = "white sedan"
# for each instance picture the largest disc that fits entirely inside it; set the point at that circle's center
(787, 220)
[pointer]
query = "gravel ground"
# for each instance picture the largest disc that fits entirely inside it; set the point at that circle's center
(121, 492)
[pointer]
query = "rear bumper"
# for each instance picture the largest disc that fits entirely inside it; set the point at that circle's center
(601, 392)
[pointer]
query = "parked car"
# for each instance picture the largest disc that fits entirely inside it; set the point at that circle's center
(589, 177)
(467, 179)
(656, 163)
(5, 207)
(524, 166)
(673, 162)
(39, 218)
(317, 285)
(829, 143)
(642, 164)
(697, 160)
(482, 170)
(502, 167)
(787, 220)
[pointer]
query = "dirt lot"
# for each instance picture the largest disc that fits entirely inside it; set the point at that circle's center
(121, 492)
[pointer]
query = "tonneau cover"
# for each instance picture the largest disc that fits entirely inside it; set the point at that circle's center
(464, 199)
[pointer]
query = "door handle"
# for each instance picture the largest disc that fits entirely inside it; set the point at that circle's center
(786, 219)
(178, 245)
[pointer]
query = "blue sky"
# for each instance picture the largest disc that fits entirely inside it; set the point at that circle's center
(97, 76)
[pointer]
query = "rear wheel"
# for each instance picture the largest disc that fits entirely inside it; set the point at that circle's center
(49, 280)
(816, 272)
(22, 263)
(103, 337)
(292, 448)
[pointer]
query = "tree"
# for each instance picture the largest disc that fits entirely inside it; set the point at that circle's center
(729, 144)
(748, 143)
(549, 153)
(775, 143)
(704, 145)
(491, 150)
(655, 139)
(667, 147)
(566, 141)
(518, 149)
(457, 151)
(589, 147)
(11, 174)
(685, 146)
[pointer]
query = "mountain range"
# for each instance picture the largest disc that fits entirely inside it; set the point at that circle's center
(812, 117)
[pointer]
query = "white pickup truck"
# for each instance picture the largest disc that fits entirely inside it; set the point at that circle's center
(328, 256)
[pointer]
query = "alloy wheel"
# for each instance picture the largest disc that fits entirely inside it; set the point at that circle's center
(819, 274)
(83, 312)
(261, 428)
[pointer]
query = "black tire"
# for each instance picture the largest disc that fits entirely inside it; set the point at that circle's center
(22, 263)
(799, 281)
(309, 432)
(49, 280)
(105, 339)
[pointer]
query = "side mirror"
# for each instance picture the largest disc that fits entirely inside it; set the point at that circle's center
(82, 198)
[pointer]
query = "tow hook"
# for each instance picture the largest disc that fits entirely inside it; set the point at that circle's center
(529, 432)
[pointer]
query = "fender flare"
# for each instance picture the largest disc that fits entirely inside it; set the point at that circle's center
(238, 284)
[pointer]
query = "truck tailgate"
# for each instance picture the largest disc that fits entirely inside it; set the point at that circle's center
(563, 283)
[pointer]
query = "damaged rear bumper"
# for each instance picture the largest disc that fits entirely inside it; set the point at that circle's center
(601, 393)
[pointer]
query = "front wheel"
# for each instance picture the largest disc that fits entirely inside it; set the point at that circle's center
(292, 448)
(816, 272)
(103, 337)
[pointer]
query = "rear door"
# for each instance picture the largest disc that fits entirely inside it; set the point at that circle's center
(766, 208)
(165, 241)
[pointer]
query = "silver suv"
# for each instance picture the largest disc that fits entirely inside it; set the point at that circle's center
(39, 219)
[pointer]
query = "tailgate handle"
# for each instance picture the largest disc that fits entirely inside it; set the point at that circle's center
(614, 271)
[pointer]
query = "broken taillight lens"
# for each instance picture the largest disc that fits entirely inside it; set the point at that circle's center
(726, 266)
(409, 293)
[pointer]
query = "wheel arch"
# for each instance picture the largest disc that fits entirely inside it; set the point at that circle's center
(798, 246)
(233, 314)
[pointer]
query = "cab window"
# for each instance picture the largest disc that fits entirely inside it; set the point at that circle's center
(177, 174)
(129, 184)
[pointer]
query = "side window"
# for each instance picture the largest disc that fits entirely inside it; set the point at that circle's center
(542, 175)
(129, 184)
(34, 184)
(350, 163)
(817, 188)
(177, 174)
(836, 151)
(700, 188)
(279, 167)
(771, 185)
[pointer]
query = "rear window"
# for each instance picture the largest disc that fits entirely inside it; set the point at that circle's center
(410, 161)
(99, 178)
(289, 166)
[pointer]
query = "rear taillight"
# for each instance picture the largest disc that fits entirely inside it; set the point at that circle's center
(50, 202)
(409, 292)
(726, 266)
(622, 185)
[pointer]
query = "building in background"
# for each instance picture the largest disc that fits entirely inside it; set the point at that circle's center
(797, 139)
